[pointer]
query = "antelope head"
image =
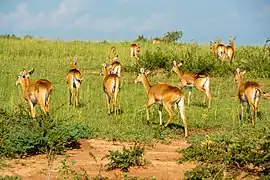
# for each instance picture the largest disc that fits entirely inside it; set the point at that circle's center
(176, 66)
(238, 75)
(141, 76)
(24, 75)
(73, 63)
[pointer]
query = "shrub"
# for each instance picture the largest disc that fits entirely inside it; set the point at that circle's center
(10, 178)
(21, 135)
(126, 158)
(205, 172)
(236, 151)
(255, 60)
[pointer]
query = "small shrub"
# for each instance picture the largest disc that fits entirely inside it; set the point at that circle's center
(126, 158)
(205, 172)
(10, 178)
(67, 171)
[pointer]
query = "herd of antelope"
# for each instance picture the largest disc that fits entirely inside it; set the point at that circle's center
(163, 94)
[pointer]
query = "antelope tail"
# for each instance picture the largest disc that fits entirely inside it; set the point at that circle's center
(257, 94)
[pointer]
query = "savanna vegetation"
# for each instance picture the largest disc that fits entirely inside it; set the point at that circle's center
(222, 145)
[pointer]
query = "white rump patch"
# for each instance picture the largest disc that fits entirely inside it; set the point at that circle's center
(75, 82)
(33, 99)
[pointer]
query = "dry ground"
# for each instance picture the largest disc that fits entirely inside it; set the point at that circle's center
(160, 158)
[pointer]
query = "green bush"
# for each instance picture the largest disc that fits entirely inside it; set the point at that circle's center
(236, 150)
(126, 158)
(205, 172)
(10, 178)
(21, 135)
(255, 60)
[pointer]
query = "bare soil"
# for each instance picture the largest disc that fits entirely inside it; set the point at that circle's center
(160, 158)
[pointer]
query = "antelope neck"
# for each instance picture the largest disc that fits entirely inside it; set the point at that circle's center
(25, 83)
(105, 72)
(240, 81)
(146, 84)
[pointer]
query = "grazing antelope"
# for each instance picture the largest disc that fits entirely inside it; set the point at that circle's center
(229, 50)
(111, 86)
(115, 66)
(201, 81)
(134, 51)
(74, 80)
(37, 92)
(163, 94)
(248, 92)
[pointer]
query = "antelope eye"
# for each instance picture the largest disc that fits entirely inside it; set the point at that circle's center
(23, 76)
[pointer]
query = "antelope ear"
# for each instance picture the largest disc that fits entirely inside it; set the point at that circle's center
(147, 72)
(180, 64)
(104, 65)
(142, 70)
(238, 70)
(174, 62)
(31, 71)
(243, 72)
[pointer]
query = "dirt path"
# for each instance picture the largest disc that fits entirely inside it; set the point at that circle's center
(161, 162)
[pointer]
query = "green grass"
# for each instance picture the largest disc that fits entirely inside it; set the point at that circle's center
(49, 58)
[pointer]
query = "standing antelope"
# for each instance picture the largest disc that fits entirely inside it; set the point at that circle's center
(37, 92)
(229, 50)
(218, 49)
(163, 94)
(115, 66)
(111, 86)
(134, 51)
(74, 80)
(248, 92)
(201, 81)
(156, 41)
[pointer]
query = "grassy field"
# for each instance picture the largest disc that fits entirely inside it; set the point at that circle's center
(49, 59)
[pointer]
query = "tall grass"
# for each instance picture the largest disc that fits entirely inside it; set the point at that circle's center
(49, 58)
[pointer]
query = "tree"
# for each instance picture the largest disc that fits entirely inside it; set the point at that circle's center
(172, 37)
(141, 38)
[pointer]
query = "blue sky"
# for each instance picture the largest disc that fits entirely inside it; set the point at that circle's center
(120, 20)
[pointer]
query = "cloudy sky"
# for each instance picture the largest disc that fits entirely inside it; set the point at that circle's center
(118, 20)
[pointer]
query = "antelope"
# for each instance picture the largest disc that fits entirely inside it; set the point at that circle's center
(201, 81)
(164, 95)
(134, 51)
(156, 41)
(74, 80)
(229, 50)
(218, 49)
(37, 92)
(115, 66)
(248, 92)
(111, 86)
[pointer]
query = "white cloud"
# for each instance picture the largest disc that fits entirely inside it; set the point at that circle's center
(154, 22)
(73, 14)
